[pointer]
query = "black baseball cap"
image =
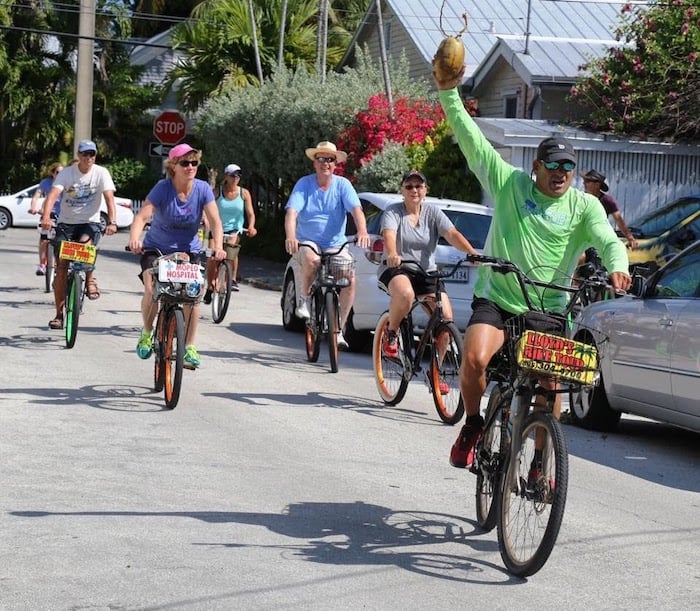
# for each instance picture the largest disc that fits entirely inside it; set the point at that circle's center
(414, 174)
(556, 149)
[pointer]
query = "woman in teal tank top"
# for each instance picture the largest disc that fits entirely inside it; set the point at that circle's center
(235, 207)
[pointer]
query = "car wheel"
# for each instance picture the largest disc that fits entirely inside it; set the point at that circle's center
(590, 409)
(358, 341)
(290, 321)
(5, 219)
(104, 220)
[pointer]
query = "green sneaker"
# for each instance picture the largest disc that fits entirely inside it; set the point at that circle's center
(191, 357)
(145, 346)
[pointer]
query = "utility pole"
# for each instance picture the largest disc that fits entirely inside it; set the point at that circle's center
(322, 44)
(84, 77)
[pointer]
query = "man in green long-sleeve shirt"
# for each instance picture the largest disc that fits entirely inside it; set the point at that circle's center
(542, 226)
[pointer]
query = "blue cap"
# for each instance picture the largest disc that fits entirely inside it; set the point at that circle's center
(87, 145)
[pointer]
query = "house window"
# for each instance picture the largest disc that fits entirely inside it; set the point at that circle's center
(510, 106)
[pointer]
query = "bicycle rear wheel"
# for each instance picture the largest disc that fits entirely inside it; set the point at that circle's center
(158, 349)
(50, 269)
(390, 374)
(313, 327)
(534, 496)
(173, 356)
(444, 373)
(74, 289)
(332, 329)
(488, 464)
(222, 296)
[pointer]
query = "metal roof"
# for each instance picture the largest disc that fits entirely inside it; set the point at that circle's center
(576, 22)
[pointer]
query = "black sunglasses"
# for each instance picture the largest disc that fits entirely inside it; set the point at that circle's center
(566, 166)
(187, 162)
(326, 159)
(88, 153)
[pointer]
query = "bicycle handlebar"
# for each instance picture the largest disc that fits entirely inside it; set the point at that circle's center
(436, 273)
(328, 253)
(504, 266)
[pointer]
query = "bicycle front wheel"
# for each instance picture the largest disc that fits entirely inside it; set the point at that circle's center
(158, 350)
(74, 289)
(444, 373)
(389, 373)
(173, 356)
(222, 296)
(534, 496)
(332, 328)
(314, 327)
(488, 463)
(50, 269)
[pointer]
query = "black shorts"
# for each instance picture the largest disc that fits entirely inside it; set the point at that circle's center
(486, 312)
(76, 233)
(422, 284)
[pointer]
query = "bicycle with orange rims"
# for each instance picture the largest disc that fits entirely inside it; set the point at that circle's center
(441, 341)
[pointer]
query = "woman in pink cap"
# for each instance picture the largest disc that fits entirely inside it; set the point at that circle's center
(174, 208)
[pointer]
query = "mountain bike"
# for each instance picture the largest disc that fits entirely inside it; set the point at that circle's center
(441, 341)
(80, 257)
(332, 275)
(178, 282)
(521, 459)
(222, 278)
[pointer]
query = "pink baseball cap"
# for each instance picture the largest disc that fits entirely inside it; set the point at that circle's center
(181, 150)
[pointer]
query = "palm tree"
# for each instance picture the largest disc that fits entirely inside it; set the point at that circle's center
(218, 47)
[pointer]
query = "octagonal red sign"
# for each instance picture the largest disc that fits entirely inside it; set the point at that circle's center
(169, 127)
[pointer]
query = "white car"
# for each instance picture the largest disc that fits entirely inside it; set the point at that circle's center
(14, 210)
(472, 220)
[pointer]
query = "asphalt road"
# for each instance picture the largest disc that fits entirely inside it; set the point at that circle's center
(277, 485)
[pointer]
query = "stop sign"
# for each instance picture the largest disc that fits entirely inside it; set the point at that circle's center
(169, 127)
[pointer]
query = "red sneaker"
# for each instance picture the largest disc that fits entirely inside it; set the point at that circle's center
(390, 345)
(462, 452)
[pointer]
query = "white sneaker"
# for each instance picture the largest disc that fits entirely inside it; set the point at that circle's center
(341, 341)
(302, 310)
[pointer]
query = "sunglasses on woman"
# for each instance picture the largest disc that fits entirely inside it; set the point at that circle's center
(188, 162)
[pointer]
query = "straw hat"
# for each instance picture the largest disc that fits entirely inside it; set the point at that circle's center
(326, 148)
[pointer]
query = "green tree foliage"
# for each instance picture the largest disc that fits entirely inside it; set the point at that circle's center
(649, 86)
(218, 49)
(266, 129)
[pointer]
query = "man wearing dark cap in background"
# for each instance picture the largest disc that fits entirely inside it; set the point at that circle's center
(594, 183)
(542, 225)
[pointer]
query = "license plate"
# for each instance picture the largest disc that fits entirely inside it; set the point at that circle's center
(461, 275)
(169, 271)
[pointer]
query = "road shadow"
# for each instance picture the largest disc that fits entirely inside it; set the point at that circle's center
(652, 451)
(354, 534)
(100, 396)
(345, 402)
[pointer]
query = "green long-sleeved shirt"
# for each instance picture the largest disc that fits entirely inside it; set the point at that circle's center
(543, 235)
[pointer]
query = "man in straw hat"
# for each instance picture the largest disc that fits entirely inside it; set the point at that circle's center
(317, 214)
(594, 183)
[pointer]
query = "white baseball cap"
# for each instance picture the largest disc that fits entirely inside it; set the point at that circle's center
(232, 168)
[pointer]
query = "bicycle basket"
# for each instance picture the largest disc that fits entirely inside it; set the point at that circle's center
(179, 281)
(341, 271)
(232, 251)
(551, 354)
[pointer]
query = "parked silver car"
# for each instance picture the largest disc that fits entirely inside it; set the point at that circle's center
(651, 364)
(472, 220)
(14, 210)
